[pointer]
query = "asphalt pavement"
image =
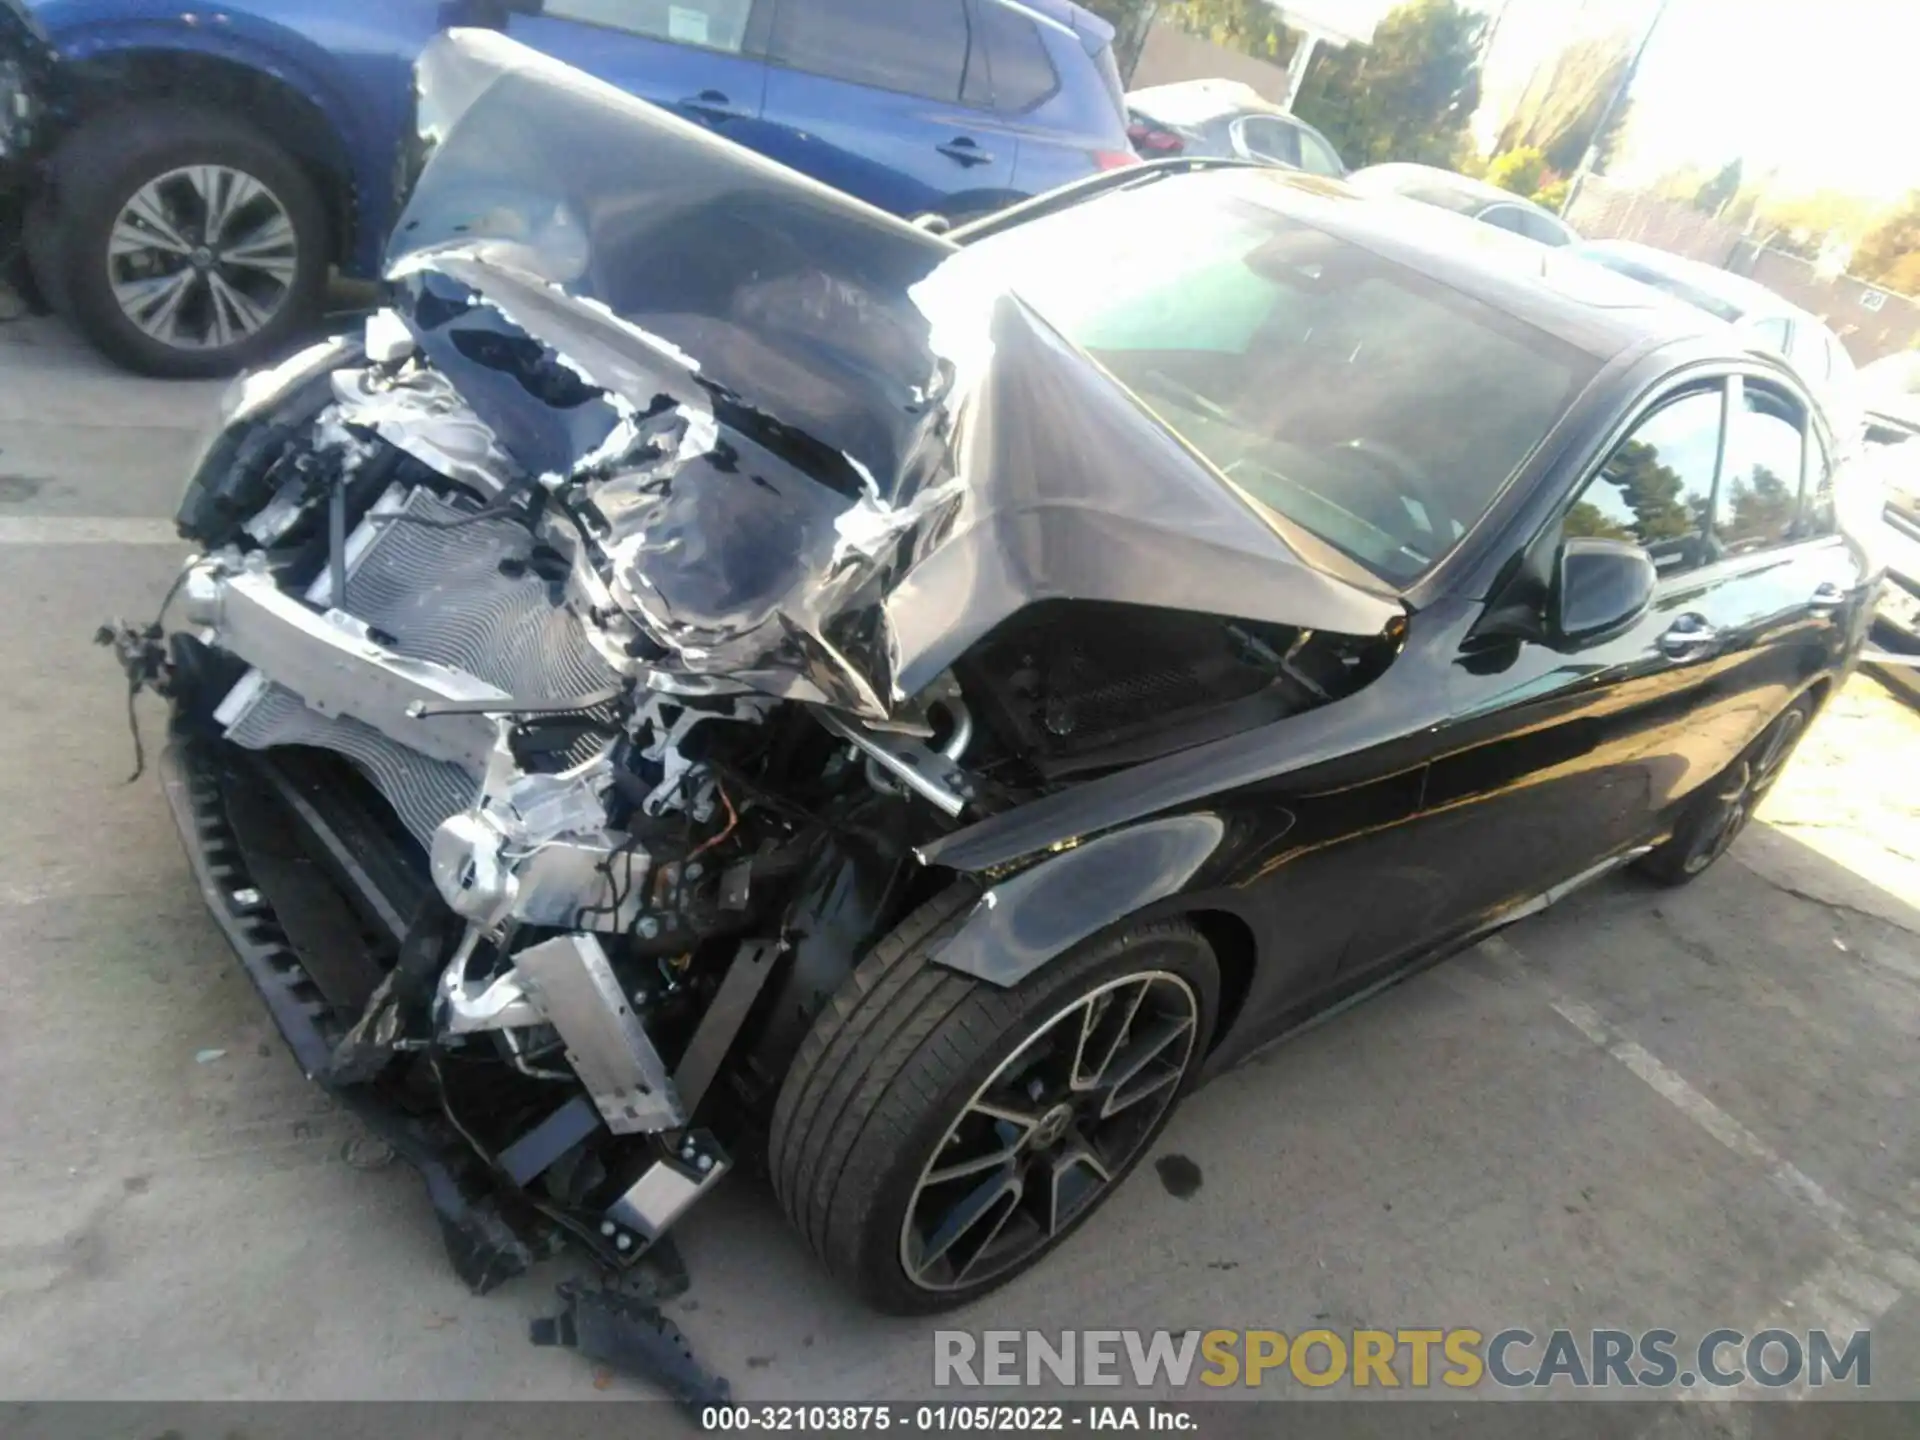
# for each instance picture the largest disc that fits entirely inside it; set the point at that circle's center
(1683, 1109)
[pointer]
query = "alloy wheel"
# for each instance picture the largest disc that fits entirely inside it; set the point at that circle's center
(1742, 788)
(202, 257)
(1055, 1124)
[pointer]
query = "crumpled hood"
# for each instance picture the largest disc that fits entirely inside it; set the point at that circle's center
(822, 451)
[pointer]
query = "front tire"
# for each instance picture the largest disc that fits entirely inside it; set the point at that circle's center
(184, 243)
(937, 1136)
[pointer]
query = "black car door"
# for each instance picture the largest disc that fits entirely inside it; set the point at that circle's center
(1556, 759)
(1559, 761)
(1785, 588)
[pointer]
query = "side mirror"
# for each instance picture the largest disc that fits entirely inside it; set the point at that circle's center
(1600, 587)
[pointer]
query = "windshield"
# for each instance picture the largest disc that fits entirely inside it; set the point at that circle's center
(1367, 404)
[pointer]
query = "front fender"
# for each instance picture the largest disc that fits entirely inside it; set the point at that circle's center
(1028, 919)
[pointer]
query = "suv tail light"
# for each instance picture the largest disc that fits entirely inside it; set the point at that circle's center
(1113, 159)
(1153, 142)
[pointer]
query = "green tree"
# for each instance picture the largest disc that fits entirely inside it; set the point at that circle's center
(1522, 171)
(1407, 96)
(1252, 27)
(1560, 111)
(1760, 509)
(1890, 254)
(1553, 195)
(1647, 488)
(1714, 196)
(1607, 143)
(1130, 19)
(1588, 521)
(1681, 183)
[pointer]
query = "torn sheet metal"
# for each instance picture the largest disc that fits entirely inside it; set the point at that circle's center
(821, 452)
(416, 410)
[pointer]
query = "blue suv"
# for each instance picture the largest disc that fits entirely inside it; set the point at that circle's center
(218, 160)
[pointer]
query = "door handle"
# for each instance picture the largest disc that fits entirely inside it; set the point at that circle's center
(1688, 637)
(713, 104)
(965, 151)
(1826, 596)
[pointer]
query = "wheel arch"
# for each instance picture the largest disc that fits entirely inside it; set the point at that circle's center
(286, 105)
(1236, 951)
(1153, 871)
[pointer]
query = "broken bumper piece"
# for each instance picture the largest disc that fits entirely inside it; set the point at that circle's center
(485, 1243)
(493, 1218)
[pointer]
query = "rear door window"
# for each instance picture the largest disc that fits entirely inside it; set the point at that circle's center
(1817, 516)
(1317, 157)
(1270, 139)
(1656, 488)
(1505, 217)
(1022, 71)
(1772, 333)
(916, 47)
(1760, 490)
(1807, 352)
(1544, 228)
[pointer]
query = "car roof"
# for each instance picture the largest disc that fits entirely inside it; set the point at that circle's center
(1418, 181)
(1195, 102)
(1750, 298)
(1575, 300)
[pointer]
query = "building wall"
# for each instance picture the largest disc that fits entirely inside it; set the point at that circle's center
(1171, 55)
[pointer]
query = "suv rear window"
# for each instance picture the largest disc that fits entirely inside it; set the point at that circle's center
(1109, 71)
(1023, 72)
(918, 47)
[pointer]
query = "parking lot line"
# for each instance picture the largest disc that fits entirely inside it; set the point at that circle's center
(85, 530)
(1853, 1289)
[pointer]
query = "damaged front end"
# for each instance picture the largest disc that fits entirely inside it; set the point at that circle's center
(576, 662)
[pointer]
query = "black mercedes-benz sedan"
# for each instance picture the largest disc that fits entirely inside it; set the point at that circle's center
(713, 666)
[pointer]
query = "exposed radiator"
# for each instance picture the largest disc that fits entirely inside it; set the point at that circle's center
(441, 595)
(422, 791)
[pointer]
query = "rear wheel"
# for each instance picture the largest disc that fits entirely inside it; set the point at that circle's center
(183, 243)
(937, 1136)
(1726, 805)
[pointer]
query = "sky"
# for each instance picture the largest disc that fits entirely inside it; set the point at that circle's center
(1824, 92)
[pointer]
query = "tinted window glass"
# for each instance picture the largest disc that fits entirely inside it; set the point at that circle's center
(1543, 228)
(1761, 492)
(1271, 139)
(1808, 352)
(1680, 290)
(1317, 157)
(1657, 486)
(1506, 217)
(1819, 517)
(1461, 202)
(916, 46)
(1109, 72)
(1022, 72)
(1772, 333)
(717, 24)
(1839, 362)
(1300, 366)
